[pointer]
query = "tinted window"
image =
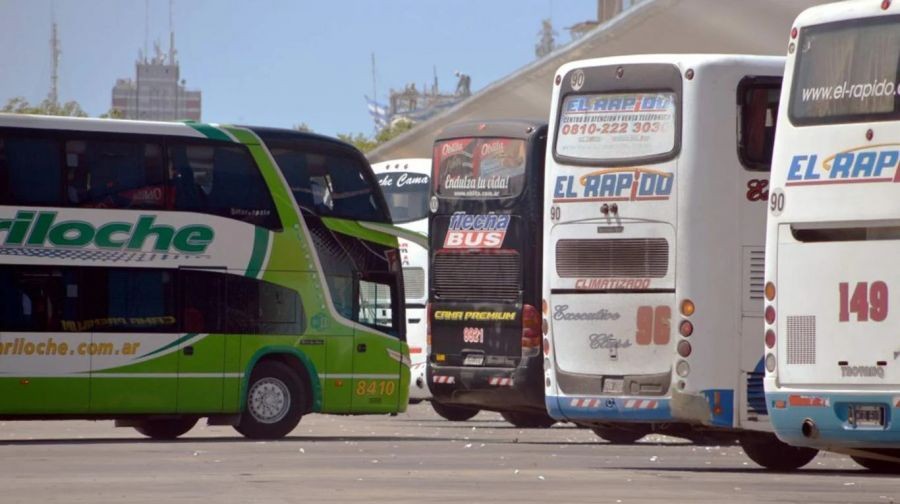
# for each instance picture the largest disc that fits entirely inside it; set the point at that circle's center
(134, 301)
(144, 300)
(328, 184)
(30, 171)
(406, 195)
(114, 174)
(847, 71)
(758, 111)
(479, 167)
(36, 300)
(215, 302)
(221, 180)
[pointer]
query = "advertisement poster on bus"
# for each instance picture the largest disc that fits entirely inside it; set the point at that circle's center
(616, 126)
(480, 168)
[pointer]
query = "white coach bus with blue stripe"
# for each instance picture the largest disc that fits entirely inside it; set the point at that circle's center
(655, 194)
(832, 371)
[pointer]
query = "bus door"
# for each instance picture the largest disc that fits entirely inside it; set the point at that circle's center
(204, 309)
(377, 353)
(757, 113)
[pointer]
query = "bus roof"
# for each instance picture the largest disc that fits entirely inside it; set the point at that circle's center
(510, 128)
(174, 128)
(839, 11)
(103, 125)
(681, 60)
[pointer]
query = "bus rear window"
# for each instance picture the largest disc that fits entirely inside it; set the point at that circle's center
(479, 167)
(406, 195)
(616, 126)
(847, 72)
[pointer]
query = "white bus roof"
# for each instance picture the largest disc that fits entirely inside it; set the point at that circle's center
(680, 60)
(99, 125)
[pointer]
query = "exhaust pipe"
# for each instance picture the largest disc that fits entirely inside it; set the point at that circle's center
(809, 429)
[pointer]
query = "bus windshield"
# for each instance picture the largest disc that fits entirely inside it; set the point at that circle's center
(406, 195)
(847, 72)
(616, 126)
(328, 183)
(479, 167)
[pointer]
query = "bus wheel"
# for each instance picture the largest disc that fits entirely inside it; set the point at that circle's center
(453, 413)
(275, 402)
(622, 435)
(165, 428)
(768, 451)
(528, 420)
(877, 465)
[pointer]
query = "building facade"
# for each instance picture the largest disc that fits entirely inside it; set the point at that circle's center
(157, 93)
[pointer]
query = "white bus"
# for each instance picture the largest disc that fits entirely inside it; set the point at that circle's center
(406, 185)
(832, 379)
(657, 167)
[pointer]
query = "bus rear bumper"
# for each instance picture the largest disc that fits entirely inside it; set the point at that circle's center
(488, 388)
(823, 420)
(609, 408)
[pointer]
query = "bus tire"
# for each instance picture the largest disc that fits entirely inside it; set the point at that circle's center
(877, 465)
(165, 428)
(771, 453)
(528, 420)
(275, 402)
(453, 413)
(621, 435)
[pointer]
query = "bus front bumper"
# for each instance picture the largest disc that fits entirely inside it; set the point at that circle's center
(826, 420)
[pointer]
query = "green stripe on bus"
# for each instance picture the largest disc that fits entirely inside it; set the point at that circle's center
(209, 131)
(170, 345)
(260, 246)
(352, 228)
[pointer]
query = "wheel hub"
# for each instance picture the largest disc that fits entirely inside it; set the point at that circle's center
(269, 400)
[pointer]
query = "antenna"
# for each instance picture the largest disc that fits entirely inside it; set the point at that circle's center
(171, 34)
(55, 52)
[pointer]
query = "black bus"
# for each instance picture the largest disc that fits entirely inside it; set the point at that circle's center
(484, 293)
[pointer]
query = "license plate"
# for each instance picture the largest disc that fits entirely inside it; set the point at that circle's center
(473, 360)
(613, 386)
(867, 416)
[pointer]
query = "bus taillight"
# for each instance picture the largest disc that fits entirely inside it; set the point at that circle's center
(531, 331)
(770, 291)
(770, 314)
(770, 338)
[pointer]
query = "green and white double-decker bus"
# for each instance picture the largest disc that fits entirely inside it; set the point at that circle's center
(158, 273)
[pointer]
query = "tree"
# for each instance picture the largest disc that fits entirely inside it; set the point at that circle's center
(19, 105)
(303, 127)
(360, 141)
(365, 144)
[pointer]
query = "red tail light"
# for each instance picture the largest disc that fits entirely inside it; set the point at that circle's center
(770, 338)
(531, 328)
(770, 315)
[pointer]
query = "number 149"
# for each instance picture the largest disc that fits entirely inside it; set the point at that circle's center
(868, 302)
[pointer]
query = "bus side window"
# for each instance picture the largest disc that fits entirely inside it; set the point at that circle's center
(31, 299)
(134, 300)
(30, 171)
(757, 115)
(221, 180)
(114, 174)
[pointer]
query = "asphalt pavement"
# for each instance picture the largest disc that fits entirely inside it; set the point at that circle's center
(413, 457)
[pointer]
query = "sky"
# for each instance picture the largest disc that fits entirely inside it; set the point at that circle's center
(276, 62)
